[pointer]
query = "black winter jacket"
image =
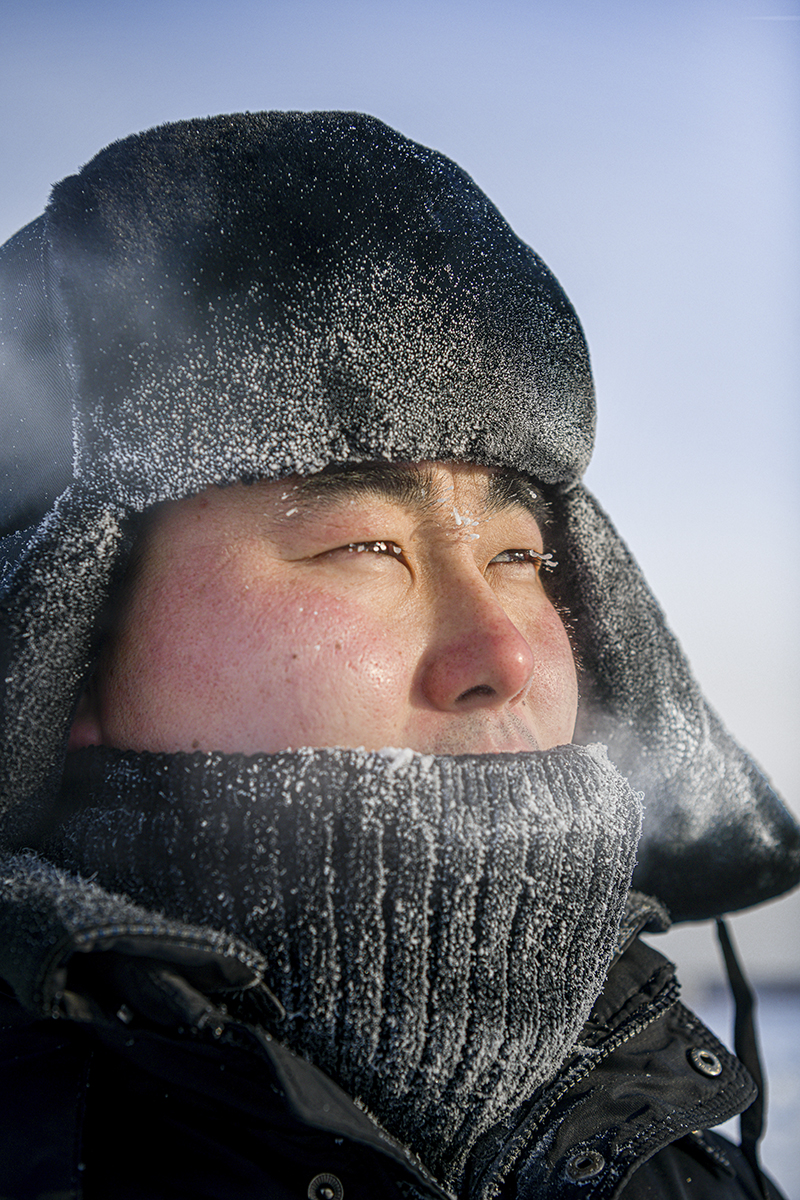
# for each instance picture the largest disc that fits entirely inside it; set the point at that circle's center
(130, 1109)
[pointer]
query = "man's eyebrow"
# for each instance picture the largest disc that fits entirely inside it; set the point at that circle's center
(508, 488)
(413, 487)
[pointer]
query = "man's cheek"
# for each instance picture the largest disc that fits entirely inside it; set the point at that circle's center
(336, 649)
(553, 693)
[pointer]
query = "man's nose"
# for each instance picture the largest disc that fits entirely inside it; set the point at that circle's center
(478, 657)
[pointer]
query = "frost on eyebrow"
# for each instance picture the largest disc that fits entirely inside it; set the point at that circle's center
(508, 488)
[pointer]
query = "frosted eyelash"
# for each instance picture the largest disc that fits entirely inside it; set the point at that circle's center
(375, 547)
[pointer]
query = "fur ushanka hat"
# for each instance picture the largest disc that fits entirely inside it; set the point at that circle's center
(249, 296)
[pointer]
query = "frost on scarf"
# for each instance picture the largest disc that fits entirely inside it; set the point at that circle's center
(437, 929)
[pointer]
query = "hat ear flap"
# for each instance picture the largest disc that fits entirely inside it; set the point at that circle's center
(716, 836)
(56, 581)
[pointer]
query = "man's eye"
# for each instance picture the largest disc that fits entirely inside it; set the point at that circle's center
(541, 561)
(390, 548)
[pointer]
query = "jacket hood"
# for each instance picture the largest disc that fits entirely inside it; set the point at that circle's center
(251, 296)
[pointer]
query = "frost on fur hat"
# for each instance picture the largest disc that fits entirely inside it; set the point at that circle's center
(255, 295)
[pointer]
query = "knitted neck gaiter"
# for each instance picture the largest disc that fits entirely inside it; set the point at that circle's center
(439, 927)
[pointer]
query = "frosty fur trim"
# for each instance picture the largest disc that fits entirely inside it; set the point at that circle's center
(251, 296)
(716, 836)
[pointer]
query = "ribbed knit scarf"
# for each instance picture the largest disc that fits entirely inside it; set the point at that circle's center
(439, 927)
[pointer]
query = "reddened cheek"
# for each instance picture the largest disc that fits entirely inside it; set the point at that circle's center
(330, 643)
(554, 687)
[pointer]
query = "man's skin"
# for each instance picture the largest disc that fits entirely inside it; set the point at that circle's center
(389, 606)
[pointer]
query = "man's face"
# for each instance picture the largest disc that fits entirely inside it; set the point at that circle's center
(397, 606)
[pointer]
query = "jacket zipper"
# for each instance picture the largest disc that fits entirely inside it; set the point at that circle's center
(489, 1188)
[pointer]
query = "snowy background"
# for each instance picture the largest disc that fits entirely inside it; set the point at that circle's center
(649, 152)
